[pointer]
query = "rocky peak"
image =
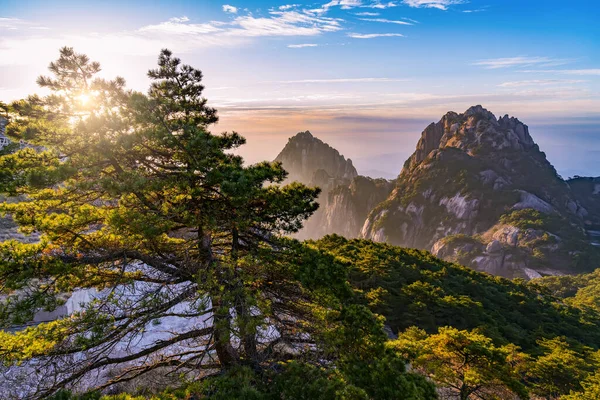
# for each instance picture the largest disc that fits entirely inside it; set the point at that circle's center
(476, 131)
(303, 136)
(478, 190)
(480, 112)
(304, 156)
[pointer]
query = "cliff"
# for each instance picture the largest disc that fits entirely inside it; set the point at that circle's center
(478, 190)
(346, 197)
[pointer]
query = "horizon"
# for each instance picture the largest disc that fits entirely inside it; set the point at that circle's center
(366, 84)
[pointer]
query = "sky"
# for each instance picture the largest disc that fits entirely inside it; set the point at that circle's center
(365, 76)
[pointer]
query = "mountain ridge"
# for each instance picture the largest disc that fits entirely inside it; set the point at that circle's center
(477, 190)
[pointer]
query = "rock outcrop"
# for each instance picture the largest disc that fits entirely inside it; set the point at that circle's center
(348, 206)
(587, 193)
(311, 161)
(477, 190)
(346, 198)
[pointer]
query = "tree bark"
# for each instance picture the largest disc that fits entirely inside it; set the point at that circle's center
(227, 354)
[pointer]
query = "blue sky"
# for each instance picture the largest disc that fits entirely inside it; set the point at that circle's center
(366, 76)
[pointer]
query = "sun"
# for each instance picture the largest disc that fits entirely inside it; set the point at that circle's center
(84, 98)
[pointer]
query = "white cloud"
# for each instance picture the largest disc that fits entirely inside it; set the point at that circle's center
(344, 4)
(439, 4)
(13, 24)
(345, 80)
(350, 4)
(230, 9)
(521, 61)
(387, 21)
(28, 47)
(179, 19)
(181, 26)
(373, 35)
(581, 72)
(10, 23)
(539, 82)
(302, 45)
(382, 6)
(284, 23)
(279, 23)
(287, 7)
(367, 14)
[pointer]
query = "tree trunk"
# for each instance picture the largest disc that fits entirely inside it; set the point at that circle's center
(243, 312)
(464, 392)
(227, 354)
(248, 331)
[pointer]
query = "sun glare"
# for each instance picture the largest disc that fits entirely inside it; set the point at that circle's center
(84, 98)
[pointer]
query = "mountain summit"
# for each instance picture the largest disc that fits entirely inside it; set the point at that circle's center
(476, 130)
(346, 197)
(478, 190)
(310, 160)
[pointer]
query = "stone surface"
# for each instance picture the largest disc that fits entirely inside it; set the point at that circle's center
(304, 155)
(469, 173)
(346, 197)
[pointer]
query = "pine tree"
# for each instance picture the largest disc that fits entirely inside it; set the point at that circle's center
(465, 364)
(132, 194)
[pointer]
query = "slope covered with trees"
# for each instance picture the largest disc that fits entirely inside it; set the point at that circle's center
(413, 288)
(476, 335)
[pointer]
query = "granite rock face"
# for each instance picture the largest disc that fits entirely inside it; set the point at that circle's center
(477, 190)
(587, 193)
(346, 197)
(308, 159)
(348, 206)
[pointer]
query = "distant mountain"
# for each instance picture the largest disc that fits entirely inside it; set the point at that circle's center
(376, 174)
(477, 190)
(346, 199)
(310, 160)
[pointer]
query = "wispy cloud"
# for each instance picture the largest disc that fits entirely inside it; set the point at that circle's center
(230, 9)
(284, 23)
(345, 80)
(14, 24)
(180, 26)
(439, 4)
(344, 4)
(302, 45)
(278, 23)
(521, 61)
(367, 14)
(383, 5)
(581, 72)
(373, 35)
(350, 4)
(540, 82)
(286, 7)
(387, 21)
(181, 34)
